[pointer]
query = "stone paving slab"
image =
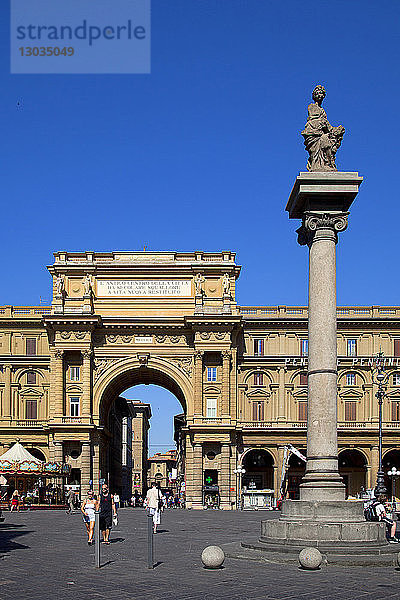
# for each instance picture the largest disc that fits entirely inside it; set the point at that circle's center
(45, 556)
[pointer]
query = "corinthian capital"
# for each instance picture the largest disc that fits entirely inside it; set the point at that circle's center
(331, 223)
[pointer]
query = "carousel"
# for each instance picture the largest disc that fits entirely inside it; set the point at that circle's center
(39, 483)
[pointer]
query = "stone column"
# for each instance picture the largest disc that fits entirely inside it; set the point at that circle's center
(225, 477)
(282, 416)
(56, 404)
(86, 383)
(197, 476)
(198, 383)
(322, 480)
(374, 464)
(278, 471)
(85, 468)
(7, 392)
(95, 462)
(226, 368)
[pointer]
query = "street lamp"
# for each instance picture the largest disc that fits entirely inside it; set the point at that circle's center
(239, 472)
(393, 473)
(380, 487)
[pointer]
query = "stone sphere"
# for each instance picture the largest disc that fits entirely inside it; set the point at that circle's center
(212, 557)
(310, 558)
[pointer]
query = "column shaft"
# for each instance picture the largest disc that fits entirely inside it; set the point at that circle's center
(86, 383)
(197, 476)
(56, 403)
(226, 368)
(85, 468)
(225, 477)
(322, 480)
(7, 392)
(198, 384)
(281, 395)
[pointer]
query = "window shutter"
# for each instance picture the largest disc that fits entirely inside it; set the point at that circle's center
(302, 411)
(255, 411)
(303, 378)
(261, 407)
(30, 346)
(396, 411)
(397, 347)
(31, 409)
(350, 411)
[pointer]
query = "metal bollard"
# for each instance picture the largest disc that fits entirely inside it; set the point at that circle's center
(97, 539)
(150, 544)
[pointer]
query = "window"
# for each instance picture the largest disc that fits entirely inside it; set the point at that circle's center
(74, 373)
(396, 347)
(303, 379)
(211, 408)
(396, 379)
(258, 347)
(258, 379)
(302, 410)
(396, 411)
(350, 379)
(258, 410)
(31, 346)
(351, 347)
(74, 406)
(31, 377)
(304, 347)
(350, 410)
(31, 409)
(211, 373)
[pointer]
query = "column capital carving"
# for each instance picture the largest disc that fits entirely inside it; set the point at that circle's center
(198, 355)
(58, 353)
(226, 354)
(331, 223)
(86, 353)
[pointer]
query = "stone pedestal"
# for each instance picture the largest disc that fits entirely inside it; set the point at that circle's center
(322, 517)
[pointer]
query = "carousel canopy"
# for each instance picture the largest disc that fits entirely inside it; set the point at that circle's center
(19, 453)
(18, 461)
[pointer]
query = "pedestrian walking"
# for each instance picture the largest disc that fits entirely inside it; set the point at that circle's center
(116, 501)
(154, 504)
(15, 501)
(89, 505)
(70, 501)
(107, 511)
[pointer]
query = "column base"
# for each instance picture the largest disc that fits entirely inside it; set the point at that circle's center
(323, 524)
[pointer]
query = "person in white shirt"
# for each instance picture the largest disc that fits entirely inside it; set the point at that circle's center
(380, 510)
(153, 504)
(116, 501)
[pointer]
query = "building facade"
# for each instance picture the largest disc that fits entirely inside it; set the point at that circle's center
(240, 372)
(162, 470)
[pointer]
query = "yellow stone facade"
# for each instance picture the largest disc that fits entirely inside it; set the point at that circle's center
(124, 318)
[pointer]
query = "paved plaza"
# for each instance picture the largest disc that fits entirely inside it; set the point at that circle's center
(45, 555)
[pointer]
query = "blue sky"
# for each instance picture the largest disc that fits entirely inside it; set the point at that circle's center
(203, 152)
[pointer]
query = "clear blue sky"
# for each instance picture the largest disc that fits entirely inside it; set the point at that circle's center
(203, 152)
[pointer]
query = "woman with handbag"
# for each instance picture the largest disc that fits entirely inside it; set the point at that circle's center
(89, 505)
(154, 504)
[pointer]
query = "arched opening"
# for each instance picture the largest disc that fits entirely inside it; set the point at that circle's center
(37, 454)
(132, 455)
(259, 466)
(297, 469)
(389, 460)
(353, 469)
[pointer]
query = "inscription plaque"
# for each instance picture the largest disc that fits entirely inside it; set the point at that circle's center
(144, 288)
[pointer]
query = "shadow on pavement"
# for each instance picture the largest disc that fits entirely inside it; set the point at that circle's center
(8, 532)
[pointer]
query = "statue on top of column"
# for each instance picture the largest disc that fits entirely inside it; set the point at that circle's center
(321, 139)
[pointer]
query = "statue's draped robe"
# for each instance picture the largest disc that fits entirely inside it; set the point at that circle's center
(315, 139)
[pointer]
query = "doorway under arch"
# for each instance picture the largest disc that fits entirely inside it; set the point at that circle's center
(353, 469)
(389, 460)
(259, 466)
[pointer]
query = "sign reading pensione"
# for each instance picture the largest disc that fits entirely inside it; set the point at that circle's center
(144, 288)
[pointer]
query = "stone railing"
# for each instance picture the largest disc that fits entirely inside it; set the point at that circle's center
(24, 311)
(28, 423)
(303, 425)
(295, 312)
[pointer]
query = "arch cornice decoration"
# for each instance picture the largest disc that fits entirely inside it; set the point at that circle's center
(301, 394)
(269, 451)
(258, 392)
(351, 394)
(253, 371)
(131, 371)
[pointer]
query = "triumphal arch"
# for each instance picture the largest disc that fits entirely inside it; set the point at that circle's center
(118, 319)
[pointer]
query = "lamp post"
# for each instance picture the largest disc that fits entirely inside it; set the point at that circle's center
(393, 473)
(239, 472)
(380, 377)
